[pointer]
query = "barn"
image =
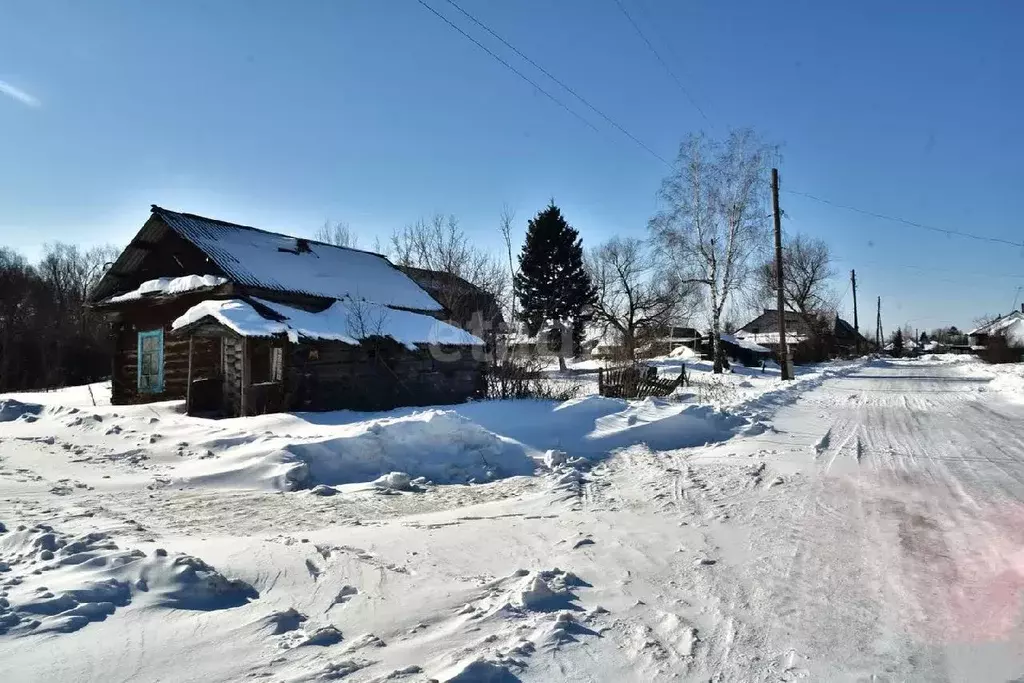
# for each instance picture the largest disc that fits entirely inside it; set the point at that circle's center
(242, 321)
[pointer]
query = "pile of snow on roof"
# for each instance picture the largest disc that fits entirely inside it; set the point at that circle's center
(745, 343)
(169, 285)
(345, 321)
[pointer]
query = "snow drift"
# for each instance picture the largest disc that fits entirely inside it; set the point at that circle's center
(11, 410)
(440, 445)
(56, 583)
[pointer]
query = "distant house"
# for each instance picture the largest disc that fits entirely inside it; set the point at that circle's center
(602, 341)
(468, 306)
(837, 338)
(745, 351)
(240, 321)
(1000, 340)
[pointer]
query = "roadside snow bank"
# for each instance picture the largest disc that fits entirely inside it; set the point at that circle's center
(1008, 379)
(440, 445)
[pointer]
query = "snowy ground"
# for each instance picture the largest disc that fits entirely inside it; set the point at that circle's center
(862, 523)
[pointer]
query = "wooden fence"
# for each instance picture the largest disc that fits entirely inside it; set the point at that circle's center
(637, 382)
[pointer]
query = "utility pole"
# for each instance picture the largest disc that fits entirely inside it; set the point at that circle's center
(878, 326)
(853, 281)
(783, 348)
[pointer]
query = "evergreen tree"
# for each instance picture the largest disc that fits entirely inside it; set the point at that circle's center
(897, 344)
(552, 285)
(924, 338)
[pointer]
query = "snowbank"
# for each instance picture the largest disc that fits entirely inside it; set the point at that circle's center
(684, 353)
(1008, 378)
(440, 445)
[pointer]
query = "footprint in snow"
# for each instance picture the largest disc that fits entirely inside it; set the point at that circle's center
(313, 569)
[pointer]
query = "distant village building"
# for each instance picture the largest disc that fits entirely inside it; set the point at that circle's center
(745, 351)
(836, 337)
(241, 321)
(468, 306)
(1001, 340)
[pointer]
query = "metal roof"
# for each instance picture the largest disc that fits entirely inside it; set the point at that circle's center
(252, 257)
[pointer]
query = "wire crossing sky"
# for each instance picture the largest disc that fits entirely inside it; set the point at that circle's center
(904, 157)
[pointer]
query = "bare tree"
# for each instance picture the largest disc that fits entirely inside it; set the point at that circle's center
(715, 217)
(365, 321)
(508, 216)
(806, 277)
(47, 336)
(440, 244)
(633, 297)
(806, 287)
(339, 234)
(983, 320)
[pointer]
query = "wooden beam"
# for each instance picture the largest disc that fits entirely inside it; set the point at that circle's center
(188, 388)
(245, 376)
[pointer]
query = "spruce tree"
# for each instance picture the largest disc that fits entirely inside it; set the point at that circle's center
(897, 344)
(552, 285)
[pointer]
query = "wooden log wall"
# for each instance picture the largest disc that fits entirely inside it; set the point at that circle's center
(145, 317)
(334, 376)
(232, 375)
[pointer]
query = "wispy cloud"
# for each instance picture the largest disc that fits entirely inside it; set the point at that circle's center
(19, 94)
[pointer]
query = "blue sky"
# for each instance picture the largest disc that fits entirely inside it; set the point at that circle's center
(375, 112)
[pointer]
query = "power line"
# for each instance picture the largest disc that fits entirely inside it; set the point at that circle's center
(859, 261)
(915, 224)
(847, 291)
(508, 66)
(671, 73)
(559, 82)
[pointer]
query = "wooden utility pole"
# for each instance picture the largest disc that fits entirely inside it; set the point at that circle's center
(878, 326)
(856, 328)
(783, 348)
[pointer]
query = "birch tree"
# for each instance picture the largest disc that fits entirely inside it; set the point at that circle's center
(715, 216)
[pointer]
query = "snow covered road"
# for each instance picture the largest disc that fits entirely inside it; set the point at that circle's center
(867, 524)
(897, 548)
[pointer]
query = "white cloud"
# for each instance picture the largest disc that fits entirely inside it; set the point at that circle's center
(19, 94)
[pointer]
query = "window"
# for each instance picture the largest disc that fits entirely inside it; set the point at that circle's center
(276, 364)
(151, 362)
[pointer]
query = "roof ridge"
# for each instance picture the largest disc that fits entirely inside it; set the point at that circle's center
(155, 208)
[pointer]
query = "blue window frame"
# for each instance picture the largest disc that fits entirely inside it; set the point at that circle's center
(151, 362)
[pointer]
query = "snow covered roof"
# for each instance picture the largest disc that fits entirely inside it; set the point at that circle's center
(169, 285)
(251, 257)
(769, 337)
(744, 343)
(1000, 324)
(345, 321)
